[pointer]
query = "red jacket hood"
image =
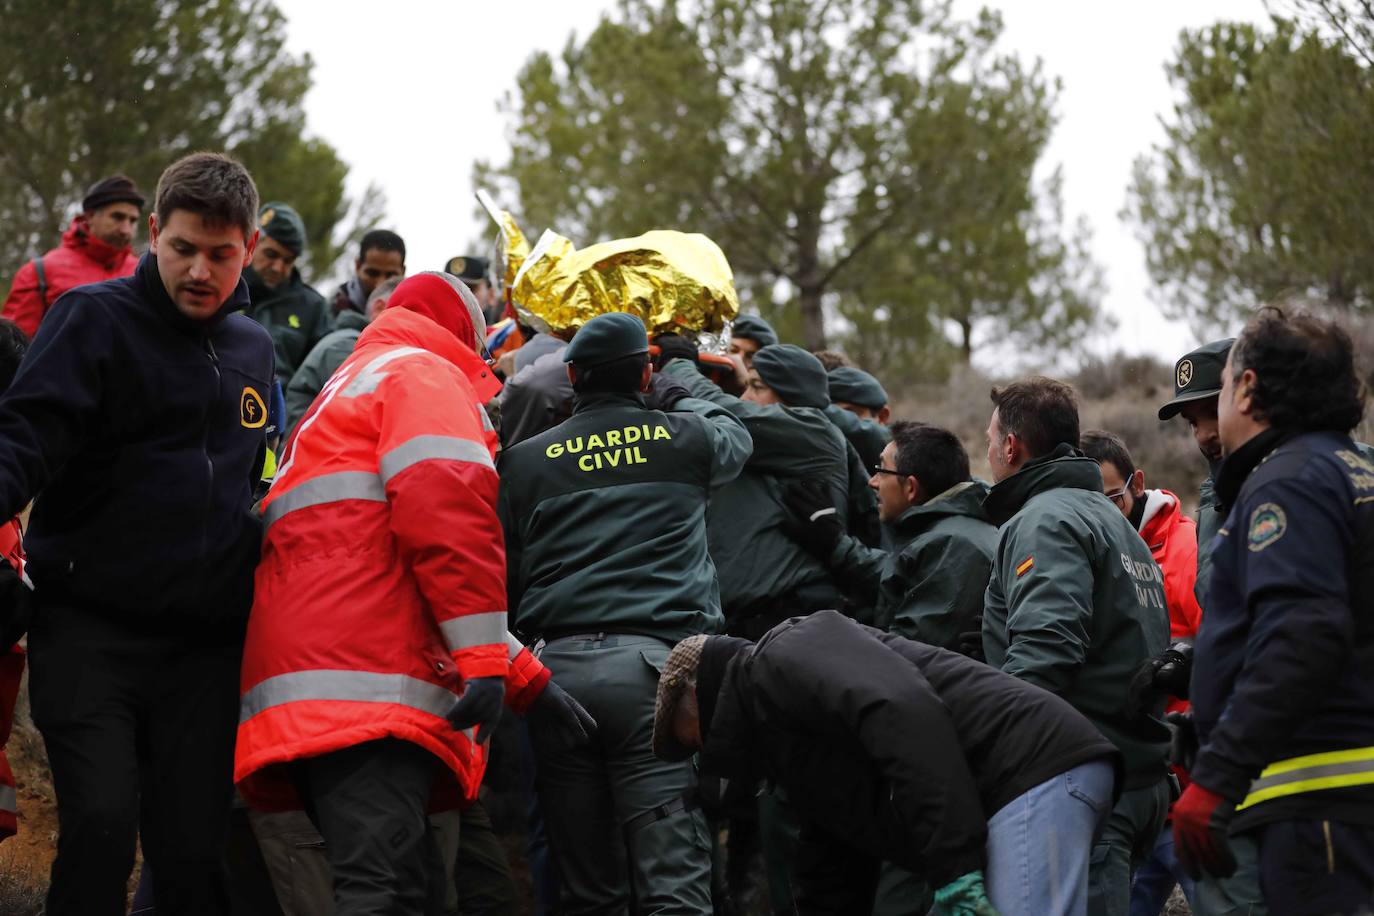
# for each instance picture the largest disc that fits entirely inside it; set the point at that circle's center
(402, 327)
(78, 238)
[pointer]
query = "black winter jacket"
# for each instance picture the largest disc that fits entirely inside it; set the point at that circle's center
(900, 749)
(141, 432)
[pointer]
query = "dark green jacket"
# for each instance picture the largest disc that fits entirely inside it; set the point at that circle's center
(294, 314)
(868, 438)
(1210, 518)
(326, 356)
(760, 567)
(605, 518)
(1076, 603)
(931, 586)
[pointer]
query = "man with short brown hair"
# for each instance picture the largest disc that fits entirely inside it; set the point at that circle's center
(137, 421)
(1076, 605)
(97, 246)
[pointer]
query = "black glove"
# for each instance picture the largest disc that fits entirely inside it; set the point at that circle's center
(1175, 669)
(971, 642)
(813, 521)
(664, 392)
(675, 346)
(560, 720)
(480, 705)
(1183, 743)
(1159, 676)
(16, 607)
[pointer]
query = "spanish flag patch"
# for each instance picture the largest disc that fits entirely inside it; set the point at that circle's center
(1026, 566)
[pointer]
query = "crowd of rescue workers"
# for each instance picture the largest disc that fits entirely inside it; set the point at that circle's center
(279, 564)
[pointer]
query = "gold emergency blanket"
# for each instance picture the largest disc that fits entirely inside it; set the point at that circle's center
(672, 280)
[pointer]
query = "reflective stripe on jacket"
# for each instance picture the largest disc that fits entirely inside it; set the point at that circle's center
(382, 581)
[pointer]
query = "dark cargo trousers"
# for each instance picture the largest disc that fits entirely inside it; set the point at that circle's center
(369, 802)
(1126, 841)
(139, 728)
(626, 827)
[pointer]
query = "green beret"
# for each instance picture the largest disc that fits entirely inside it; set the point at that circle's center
(283, 225)
(752, 327)
(795, 375)
(855, 386)
(607, 337)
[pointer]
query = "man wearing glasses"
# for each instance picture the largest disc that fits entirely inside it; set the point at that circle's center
(930, 586)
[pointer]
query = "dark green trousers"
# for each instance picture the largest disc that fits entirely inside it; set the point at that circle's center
(596, 799)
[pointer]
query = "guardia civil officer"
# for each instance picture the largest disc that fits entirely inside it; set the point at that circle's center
(858, 406)
(1076, 605)
(1283, 676)
(605, 519)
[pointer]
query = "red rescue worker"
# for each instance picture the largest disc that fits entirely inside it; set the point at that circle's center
(97, 246)
(378, 630)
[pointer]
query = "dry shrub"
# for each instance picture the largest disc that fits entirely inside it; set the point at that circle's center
(1123, 397)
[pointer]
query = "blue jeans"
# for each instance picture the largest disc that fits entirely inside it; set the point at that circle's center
(1040, 842)
(1154, 881)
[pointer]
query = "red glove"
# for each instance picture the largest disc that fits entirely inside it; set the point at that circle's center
(1202, 821)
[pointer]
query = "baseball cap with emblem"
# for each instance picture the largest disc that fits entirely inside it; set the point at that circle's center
(468, 268)
(607, 337)
(1198, 375)
(679, 676)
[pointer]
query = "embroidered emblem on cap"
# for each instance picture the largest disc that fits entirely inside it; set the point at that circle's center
(1185, 373)
(267, 216)
(1267, 524)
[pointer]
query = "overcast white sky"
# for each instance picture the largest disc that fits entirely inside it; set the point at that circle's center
(407, 93)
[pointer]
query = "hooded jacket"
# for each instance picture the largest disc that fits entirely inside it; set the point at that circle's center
(896, 748)
(382, 582)
(762, 569)
(1172, 539)
(322, 361)
(294, 314)
(1076, 602)
(141, 432)
(80, 259)
(930, 587)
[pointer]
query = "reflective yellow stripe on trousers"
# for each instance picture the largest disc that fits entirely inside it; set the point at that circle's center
(1330, 770)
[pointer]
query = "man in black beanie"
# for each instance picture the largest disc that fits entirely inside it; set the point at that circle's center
(97, 246)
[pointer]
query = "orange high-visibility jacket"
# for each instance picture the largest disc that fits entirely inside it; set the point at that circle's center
(382, 580)
(11, 673)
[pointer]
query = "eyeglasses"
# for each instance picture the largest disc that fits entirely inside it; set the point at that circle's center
(1118, 497)
(879, 469)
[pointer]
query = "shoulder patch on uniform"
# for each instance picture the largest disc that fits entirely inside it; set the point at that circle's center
(1025, 566)
(252, 410)
(1267, 524)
